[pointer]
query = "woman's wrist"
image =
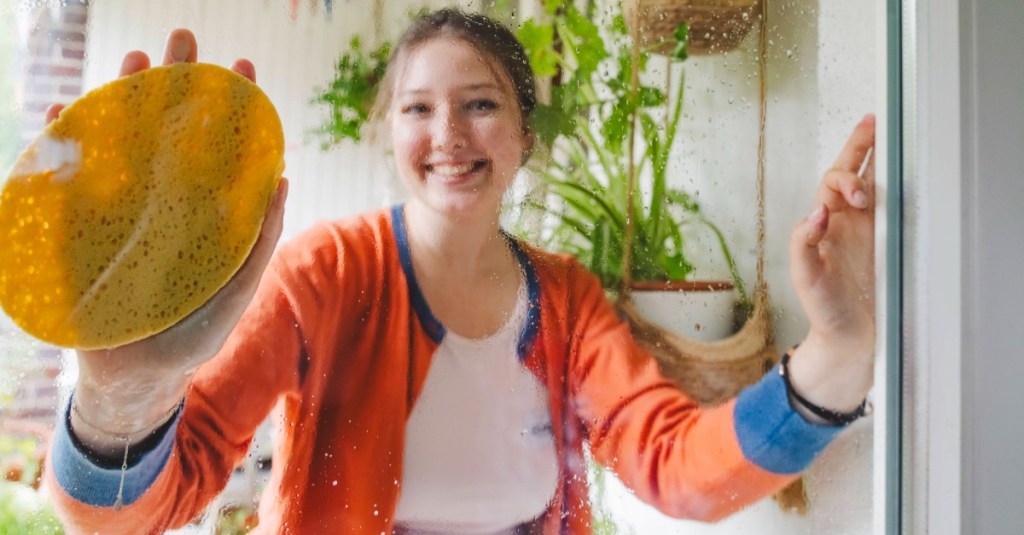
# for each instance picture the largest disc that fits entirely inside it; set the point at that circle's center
(105, 421)
(816, 413)
(107, 443)
(831, 375)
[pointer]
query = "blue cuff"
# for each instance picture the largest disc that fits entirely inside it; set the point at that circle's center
(86, 481)
(772, 434)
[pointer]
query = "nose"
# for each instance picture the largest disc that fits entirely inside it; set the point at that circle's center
(449, 129)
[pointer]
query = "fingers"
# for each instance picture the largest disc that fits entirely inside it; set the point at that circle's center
(851, 157)
(816, 226)
(53, 111)
(133, 62)
(199, 336)
(849, 183)
(273, 224)
(245, 68)
(275, 212)
(181, 47)
(840, 189)
(804, 240)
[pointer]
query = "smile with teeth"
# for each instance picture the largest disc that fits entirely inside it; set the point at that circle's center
(456, 169)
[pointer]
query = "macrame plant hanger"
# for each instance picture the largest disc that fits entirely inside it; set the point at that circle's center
(713, 372)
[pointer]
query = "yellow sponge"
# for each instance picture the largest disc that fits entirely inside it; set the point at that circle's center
(137, 204)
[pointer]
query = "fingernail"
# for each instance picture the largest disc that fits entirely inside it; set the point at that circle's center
(816, 215)
(179, 49)
(869, 118)
(859, 199)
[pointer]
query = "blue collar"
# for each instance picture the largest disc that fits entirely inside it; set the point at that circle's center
(433, 327)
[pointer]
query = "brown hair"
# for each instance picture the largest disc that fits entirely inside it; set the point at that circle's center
(489, 37)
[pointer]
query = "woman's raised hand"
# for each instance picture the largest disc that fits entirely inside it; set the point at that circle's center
(832, 266)
(130, 390)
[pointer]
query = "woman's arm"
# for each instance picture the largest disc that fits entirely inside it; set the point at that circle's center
(832, 266)
(130, 397)
(191, 461)
(131, 390)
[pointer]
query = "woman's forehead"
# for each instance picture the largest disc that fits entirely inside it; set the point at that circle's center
(449, 62)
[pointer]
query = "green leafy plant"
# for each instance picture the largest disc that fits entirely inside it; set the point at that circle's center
(601, 125)
(349, 95)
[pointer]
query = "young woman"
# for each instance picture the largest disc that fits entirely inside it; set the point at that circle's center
(435, 375)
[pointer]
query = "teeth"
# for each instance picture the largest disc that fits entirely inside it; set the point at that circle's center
(452, 170)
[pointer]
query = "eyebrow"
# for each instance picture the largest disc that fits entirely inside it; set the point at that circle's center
(470, 87)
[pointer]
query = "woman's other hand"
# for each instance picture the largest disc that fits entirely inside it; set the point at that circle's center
(832, 264)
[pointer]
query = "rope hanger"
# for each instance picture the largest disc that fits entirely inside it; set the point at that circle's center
(714, 372)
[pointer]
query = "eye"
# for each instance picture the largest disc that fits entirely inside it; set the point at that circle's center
(416, 108)
(482, 104)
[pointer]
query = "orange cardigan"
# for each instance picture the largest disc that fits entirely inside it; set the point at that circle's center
(340, 335)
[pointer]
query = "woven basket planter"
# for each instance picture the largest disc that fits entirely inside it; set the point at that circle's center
(716, 26)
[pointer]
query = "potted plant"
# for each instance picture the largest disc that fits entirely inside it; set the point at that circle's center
(610, 138)
(717, 25)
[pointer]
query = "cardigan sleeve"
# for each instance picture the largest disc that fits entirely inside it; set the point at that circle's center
(228, 399)
(687, 460)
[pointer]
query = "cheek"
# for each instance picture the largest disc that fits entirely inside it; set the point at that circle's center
(406, 143)
(508, 142)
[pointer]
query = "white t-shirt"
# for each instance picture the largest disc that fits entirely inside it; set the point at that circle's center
(479, 452)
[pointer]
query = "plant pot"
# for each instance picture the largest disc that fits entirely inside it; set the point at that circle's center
(716, 26)
(702, 310)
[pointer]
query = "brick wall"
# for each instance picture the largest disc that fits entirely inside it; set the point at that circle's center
(51, 65)
(55, 54)
(29, 387)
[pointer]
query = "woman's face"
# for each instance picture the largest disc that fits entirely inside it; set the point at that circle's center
(456, 128)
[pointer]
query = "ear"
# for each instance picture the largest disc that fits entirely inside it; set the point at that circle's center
(529, 141)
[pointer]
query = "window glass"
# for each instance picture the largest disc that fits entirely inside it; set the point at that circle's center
(696, 129)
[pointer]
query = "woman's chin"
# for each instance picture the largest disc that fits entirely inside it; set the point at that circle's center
(463, 204)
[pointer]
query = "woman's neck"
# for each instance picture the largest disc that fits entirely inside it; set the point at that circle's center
(454, 259)
(462, 247)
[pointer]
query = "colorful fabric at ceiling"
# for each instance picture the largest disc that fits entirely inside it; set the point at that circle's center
(293, 11)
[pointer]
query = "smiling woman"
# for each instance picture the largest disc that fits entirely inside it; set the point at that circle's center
(429, 373)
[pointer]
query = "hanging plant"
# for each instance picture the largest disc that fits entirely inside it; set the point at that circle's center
(602, 126)
(716, 26)
(349, 95)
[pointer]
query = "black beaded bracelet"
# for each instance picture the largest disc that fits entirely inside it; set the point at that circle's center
(829, 415)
